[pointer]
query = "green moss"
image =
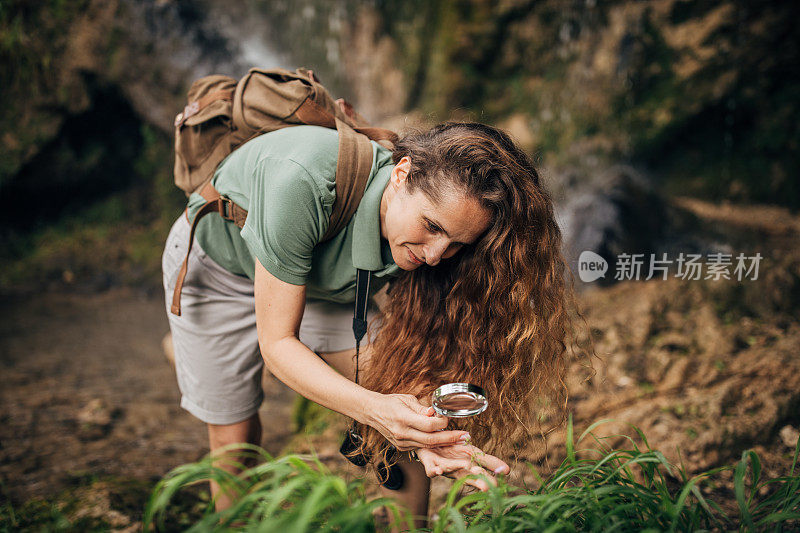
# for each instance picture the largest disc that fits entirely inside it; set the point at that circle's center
(646, 387)
(99, 243)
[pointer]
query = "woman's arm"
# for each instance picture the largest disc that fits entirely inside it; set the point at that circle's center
(279, 310)
(399, 417)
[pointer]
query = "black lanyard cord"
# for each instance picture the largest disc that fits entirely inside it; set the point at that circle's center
(391, 478)
(360, 313)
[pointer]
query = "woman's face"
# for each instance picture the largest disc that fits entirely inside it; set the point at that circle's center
(420, 231)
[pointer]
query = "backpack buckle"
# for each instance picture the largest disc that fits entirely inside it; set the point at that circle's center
(225, 207)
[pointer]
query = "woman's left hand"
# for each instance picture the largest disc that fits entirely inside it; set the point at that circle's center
(461, 460)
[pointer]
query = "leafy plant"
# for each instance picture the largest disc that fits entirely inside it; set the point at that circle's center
(596, 488)
(292, 493)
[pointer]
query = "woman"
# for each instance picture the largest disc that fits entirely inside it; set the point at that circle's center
(455, 218)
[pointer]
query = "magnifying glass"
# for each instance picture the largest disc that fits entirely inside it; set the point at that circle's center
(459, 400)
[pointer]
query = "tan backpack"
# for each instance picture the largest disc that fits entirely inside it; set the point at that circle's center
(223, 113)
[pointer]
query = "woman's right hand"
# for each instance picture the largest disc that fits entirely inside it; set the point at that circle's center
(407, 424)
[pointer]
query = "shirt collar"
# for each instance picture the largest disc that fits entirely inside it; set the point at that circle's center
(367, 219)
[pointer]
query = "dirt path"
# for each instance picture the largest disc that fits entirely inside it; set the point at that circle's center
(86, 390)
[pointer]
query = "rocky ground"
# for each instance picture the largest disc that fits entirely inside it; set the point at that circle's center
(89, 415)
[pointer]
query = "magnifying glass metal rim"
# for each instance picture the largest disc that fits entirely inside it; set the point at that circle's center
(459, 388)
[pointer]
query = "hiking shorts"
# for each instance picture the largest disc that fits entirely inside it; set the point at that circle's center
(217, 358)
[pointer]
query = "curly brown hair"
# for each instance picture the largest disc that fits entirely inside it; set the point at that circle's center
(496, 314)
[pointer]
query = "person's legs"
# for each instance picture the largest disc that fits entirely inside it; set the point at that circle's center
(248, 431)
(169, 349)
(344, 362)
(214, 348)
(415, 493)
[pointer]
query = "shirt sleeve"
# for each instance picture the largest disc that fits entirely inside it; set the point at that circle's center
(286, 219)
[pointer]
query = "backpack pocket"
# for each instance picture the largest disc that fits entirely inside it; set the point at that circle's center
(267, 100)
(203, 131)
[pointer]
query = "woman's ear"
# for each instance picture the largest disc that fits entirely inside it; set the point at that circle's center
(401, 172)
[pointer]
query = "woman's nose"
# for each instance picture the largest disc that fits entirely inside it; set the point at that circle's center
(435, 250)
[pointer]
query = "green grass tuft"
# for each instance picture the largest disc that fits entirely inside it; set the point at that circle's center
(596, 488)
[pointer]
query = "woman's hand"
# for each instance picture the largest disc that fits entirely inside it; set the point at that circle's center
(459, 461)
(407, 424)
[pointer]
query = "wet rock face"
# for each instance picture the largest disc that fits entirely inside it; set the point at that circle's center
(166, 45)
(173, 43)
(624, 77)
(611, 212)
(618, 210)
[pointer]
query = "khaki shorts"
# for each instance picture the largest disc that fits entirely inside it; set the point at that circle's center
(217, 358)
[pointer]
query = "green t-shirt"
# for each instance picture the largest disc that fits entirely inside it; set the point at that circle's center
(285, 181)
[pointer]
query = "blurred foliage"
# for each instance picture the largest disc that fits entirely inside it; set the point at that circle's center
(309, 417)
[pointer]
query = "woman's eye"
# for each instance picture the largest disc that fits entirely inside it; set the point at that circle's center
(432, 228)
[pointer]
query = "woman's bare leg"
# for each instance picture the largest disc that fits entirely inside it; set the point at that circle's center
(169, 349)
(344, 362)
(222, 435)
(416, 490)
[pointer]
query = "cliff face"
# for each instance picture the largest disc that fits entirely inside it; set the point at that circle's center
(60, 59)
(700, 94)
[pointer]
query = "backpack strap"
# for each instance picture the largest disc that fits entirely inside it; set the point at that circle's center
(310, 112)
(353, 167)
(354, 164)
(215, 203)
